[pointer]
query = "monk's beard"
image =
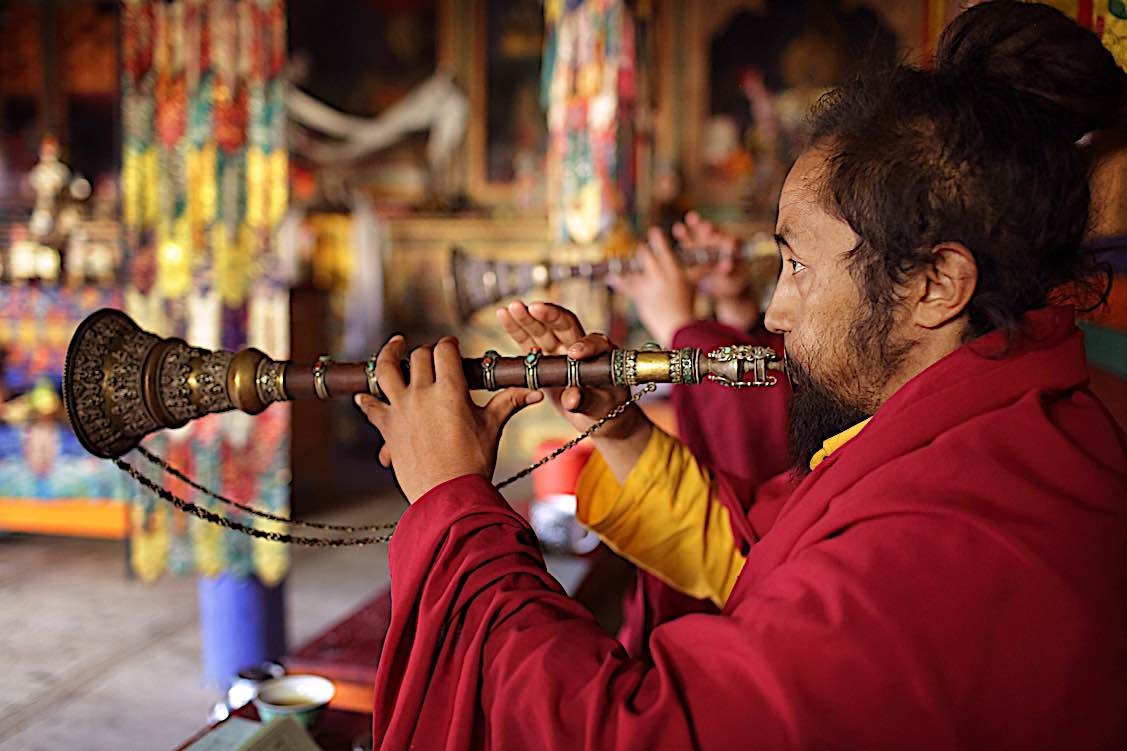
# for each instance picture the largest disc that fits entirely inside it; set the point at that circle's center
(848, 386)
(816, 413)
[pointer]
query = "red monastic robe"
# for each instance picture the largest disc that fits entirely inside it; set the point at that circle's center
(741, 432)
(953, 577)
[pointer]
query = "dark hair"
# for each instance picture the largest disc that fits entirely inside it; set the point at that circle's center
(979, 150)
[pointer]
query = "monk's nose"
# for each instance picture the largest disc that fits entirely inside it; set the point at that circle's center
(778, 319)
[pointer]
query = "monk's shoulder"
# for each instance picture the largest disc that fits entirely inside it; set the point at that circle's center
(1028, 475)
(1064, 444)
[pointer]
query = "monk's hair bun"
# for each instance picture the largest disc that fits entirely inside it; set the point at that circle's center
(1041, 53)
(979, 150)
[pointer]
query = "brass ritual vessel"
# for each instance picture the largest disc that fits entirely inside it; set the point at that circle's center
(121, 383)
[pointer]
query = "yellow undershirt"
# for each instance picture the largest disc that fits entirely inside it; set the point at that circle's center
(831, 445)
(666, 518)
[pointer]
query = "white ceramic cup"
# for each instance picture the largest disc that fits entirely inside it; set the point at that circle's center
(302, 697)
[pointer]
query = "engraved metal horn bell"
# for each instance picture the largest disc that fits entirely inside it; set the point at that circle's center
(121, 383)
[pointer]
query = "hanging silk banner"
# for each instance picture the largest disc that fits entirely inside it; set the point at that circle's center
(204, 176)
(589, 88)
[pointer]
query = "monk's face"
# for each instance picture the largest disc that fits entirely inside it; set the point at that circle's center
(839, 368)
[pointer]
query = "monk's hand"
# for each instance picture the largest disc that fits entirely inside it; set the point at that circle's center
(719, 280)
(557, 331)
(696, 232)
(662, 290)
(433, 432)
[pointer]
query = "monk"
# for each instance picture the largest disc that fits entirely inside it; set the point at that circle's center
(949, 569)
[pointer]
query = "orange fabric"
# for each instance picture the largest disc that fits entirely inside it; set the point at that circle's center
(106, 519)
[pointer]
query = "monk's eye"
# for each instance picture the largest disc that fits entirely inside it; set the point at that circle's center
(795, 265)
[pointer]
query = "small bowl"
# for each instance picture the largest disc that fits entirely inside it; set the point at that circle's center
(302, 697)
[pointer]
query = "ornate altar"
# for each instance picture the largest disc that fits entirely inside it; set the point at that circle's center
(48, 483)
(56, 270)
(60, 256)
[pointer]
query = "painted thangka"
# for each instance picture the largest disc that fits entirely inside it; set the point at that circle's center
(589, 88)
(204, 187)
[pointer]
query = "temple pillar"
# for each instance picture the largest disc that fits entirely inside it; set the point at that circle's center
(242, 623)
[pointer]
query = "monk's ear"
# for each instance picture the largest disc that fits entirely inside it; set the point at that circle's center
(946, 285)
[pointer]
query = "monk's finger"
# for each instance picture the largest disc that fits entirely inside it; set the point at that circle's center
(570, 398)
(681, 234)
(594, 403)
(503, 405)
(695, 225)
(372, 408)
(648, 266)
(513, 329)
(662, 251)
(448, 364)
(589, 346)
(563, 324)
(692, 232)
(701, 231)
(422, 366)
(388, 374)
(542, 336)
(539, 334)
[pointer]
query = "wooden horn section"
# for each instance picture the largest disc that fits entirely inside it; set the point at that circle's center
(121, 383)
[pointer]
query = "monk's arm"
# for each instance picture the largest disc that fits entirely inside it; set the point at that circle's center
(665, 518)
(486, 650)
(621, 455)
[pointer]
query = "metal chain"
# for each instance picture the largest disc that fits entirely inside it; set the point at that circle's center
(324, 542)
(164, 465)
(210, 516)
(571, 444)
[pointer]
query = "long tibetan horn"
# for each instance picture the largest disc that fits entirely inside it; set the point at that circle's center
(481, 282)
(121, 383)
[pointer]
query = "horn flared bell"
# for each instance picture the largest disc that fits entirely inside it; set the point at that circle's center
(121, 383)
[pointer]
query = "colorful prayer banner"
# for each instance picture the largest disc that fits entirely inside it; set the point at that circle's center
(589, 88)
(205, 179)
